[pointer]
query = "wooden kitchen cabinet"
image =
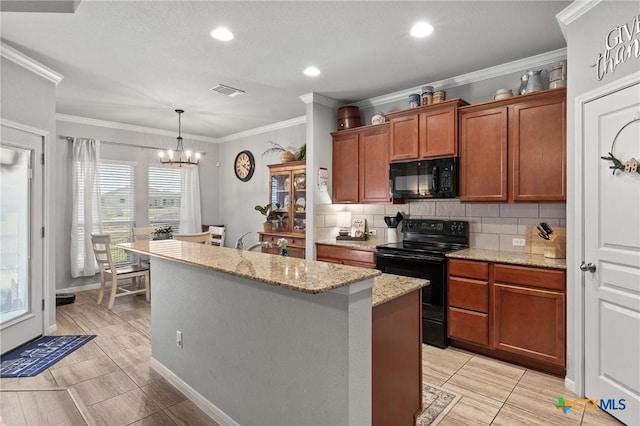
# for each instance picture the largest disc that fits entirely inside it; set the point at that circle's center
(346, 255)
(509, 312)
(430, 131)
(361, 165)
(287, 194)
(514, 150)
(529, 313)
(468, 301)
(295, 243)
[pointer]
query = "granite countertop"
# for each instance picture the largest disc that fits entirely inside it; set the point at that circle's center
(387, 287)
(509, 257)
(369, 245)
(306, 276)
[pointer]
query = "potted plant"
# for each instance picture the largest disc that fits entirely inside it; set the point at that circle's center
(287, 154)
(162, 233)
(268, 216)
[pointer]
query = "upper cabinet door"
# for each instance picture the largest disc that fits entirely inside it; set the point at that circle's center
(538, 149)
(345, 168)
(374, 165)
(438, 133)
(483, 155)
(403, 142)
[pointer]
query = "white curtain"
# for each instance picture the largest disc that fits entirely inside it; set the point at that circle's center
(87, 214)
(190, 216)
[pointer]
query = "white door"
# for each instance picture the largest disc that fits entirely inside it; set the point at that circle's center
(21, 242)
(612, 244)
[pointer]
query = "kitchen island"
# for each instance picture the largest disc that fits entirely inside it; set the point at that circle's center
(264, 339)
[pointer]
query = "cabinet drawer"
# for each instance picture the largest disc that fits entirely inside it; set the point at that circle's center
(345, 255)
(469, 294)
(531, 277)
(469, 269)
(468, 325)
(291, 241)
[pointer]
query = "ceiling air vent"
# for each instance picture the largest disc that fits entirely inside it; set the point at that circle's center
(227, 90)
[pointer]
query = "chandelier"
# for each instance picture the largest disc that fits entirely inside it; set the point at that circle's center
(179, 157)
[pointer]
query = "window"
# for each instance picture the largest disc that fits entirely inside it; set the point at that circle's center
(165, 191)
(117, 201)
(117, 198)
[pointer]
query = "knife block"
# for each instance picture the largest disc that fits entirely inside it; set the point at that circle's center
(554, 248)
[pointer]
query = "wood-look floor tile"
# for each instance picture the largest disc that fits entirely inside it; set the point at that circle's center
(133, 356)
(510, 415)
(432, 377)
(442, 361)
(469, 394)
(448, 421)
(142, 373)
(11, 410)
(124, 409)
(111, 331)
(187, 413)
(90, 320)
(49, 408)
(143, 325)
(158, 419)
(43, 380)
(496, 367)
(483, 382)
(122, 342)
(599, 418)
(86, 370)
(135, 314)
(86, 352)
(471, 412)
(163, 393)
(104, 387)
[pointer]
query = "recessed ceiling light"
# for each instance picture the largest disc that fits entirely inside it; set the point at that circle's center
(312, 71)
(222, 34)
(421, 29)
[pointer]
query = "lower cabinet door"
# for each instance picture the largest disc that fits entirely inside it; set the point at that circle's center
(469, 326)
(529, 322)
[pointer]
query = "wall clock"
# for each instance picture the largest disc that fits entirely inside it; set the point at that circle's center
(244, 165)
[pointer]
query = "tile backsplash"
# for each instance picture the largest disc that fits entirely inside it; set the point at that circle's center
(491, 226)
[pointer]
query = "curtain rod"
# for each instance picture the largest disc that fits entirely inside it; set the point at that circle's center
(70, 139)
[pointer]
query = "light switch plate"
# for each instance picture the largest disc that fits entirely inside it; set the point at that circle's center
(518, 242)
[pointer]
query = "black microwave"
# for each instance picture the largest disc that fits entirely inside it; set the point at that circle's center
(424, 179)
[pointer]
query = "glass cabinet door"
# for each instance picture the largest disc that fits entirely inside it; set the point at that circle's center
(281, 201)
(299, 201)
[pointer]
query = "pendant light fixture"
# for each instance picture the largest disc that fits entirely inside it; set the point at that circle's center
(179, 157)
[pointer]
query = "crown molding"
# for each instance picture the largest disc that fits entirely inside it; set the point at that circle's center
(28, 63)
(572, 12)
(319, 99)
(268, 128)
(472, 77)
(129, 127)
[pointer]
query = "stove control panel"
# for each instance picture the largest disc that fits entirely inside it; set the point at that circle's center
(435, 227)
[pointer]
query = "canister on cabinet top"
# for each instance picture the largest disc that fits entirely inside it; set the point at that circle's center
(427, 95)
(439, 96)
(414, 100)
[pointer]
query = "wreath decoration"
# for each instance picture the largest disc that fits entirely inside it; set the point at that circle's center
(631, 166)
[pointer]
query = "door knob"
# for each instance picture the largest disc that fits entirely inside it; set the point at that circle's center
(587, 267)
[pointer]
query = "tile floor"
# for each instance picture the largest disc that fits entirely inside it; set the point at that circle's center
(115, 385)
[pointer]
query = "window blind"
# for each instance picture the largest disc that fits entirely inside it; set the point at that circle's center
(117, 199)
(165, 191)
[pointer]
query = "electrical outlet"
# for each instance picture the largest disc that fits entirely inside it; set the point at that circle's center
(372, 232)
(518, 242)
(179, 338)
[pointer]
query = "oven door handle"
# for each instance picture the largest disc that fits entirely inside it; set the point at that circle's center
(420, 258)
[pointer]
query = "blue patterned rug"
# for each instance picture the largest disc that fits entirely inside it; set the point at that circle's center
(32, 358)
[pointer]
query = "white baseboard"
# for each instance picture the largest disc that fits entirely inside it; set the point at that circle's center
(205, 405)
(78, 288)
(52, 329)
(570, 384)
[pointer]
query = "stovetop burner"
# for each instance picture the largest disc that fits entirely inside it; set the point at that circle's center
(428, 236)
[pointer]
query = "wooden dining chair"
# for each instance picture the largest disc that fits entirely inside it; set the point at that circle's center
(196, 237)
(216, 235)
(142, 233)
(108, 272)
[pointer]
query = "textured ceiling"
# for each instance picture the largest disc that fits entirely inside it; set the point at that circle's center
(134, 62)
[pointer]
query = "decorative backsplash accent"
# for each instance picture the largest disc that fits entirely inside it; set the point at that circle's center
(492, 226)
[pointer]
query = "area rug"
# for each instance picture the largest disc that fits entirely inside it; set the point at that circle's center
(436, 403)
(32, 358)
